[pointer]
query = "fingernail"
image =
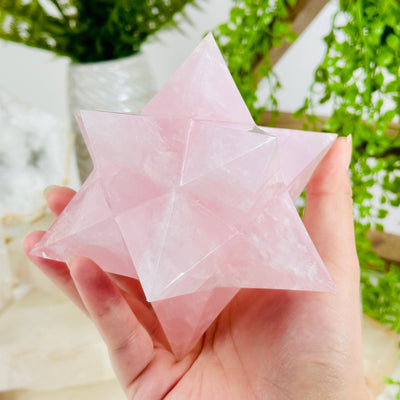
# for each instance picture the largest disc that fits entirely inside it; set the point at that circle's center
(69, 260)
(47, 191)
(349, 139)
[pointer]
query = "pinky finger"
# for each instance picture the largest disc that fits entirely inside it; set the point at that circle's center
(129, 344)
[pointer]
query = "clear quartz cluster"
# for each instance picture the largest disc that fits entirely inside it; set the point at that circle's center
(194, 200)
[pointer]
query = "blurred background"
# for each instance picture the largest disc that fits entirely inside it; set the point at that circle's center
(301, 64)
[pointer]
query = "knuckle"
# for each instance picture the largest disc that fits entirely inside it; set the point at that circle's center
(343, 189)
(106, 312)
(331, 184)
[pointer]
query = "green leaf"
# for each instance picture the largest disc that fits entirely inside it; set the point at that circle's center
(298, 114)
(291, 37)
(391, 86)
(395, 202)
(329, 39)
(280, 28)
(393, 41)
(385, 58)
(378, 28)
(321, 75)
(388, 116)
(327, 96)
(378, 80)
(382, 213)
(331, 125)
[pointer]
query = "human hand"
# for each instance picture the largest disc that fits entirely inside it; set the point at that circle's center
(266, 344)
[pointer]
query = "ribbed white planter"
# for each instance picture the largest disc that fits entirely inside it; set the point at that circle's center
(122, 85)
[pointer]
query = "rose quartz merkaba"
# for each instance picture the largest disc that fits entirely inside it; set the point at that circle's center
(194, 200)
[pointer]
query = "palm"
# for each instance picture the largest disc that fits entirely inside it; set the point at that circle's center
(264, 345)
(231, 355)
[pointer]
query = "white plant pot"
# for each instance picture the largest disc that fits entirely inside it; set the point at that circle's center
(122, 85)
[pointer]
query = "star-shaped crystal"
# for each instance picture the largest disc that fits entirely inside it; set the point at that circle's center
(194, 200)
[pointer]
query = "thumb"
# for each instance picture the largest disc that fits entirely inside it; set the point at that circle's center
(329, 218)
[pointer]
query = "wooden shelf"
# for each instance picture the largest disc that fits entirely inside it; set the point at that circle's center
(300, 17)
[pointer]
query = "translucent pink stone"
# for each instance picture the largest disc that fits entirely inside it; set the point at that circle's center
(194, 200)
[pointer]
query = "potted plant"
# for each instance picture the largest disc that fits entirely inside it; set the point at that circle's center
(103, 39)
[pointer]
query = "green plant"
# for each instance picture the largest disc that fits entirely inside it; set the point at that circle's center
(87, 30)
(360, 75)
(254, 27)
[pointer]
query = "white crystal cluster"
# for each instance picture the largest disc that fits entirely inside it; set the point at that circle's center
(35, 151)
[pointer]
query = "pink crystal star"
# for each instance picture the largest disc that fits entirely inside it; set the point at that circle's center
(194, 200)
